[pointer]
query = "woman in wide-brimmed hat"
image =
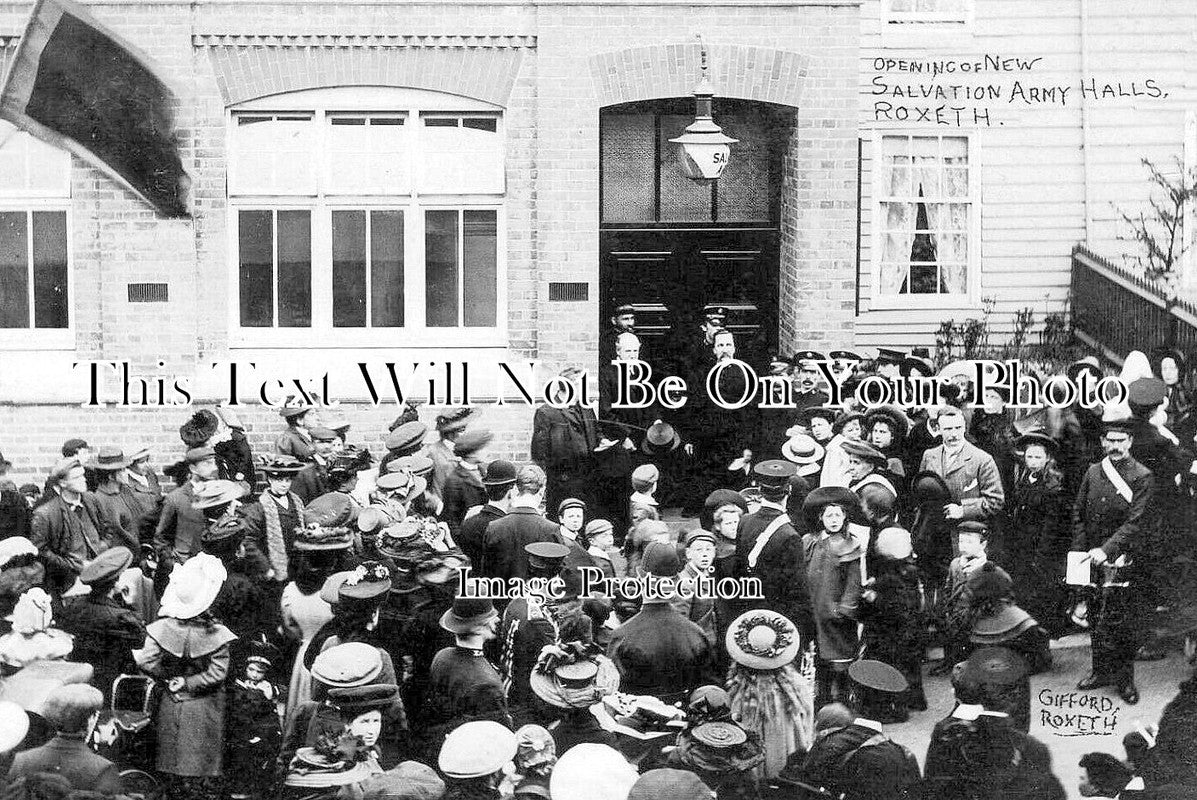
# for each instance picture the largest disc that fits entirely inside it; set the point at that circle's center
(188, 651)
(20, 571)
(769, 685)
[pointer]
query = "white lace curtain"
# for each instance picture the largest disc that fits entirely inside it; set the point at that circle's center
(934, 172)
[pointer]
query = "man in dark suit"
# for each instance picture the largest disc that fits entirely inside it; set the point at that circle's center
(563, 442)
(68, 530)
(312, 481)
(1108, 521)
(463, 486)
(73, 710)
(769, 548)
(970, 473)
(500, 489)
(504, 540)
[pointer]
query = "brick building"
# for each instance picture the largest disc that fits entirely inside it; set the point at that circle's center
(421, 182)
(484, 181)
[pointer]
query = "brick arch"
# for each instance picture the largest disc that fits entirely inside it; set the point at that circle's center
(250, 67)
(750, 73)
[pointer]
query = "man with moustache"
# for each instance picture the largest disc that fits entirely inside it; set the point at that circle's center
(1109, 524)
(721, 436)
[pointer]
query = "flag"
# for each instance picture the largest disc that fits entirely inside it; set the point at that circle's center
(77, 85)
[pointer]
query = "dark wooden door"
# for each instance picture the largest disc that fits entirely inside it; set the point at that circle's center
(669, 275)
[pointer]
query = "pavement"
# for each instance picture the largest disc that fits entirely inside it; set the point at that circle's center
(1070, 722)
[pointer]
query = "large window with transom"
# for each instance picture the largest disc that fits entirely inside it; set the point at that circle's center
(367, 216)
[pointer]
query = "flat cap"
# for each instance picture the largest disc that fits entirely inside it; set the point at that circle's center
(697, 535)
(107, 566)
(323, 434)
(409, 434)
(878, 676)
(546, 551)
(1147, 392)
(349, 664)
(774, 472)
(475, 749)
(198, 454)
(568, 503)
(472, 441)
(415, 464)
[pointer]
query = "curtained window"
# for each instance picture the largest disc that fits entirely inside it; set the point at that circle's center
(924, 213)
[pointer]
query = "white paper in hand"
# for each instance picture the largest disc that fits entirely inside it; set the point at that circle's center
(1079, 569)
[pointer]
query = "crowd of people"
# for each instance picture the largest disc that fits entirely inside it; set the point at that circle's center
(293, 624)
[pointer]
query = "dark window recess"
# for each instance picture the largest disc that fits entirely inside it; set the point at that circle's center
(569, 292)
(149, 293)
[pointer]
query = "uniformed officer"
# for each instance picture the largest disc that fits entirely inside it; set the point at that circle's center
(888, 363)
(1108, 522)
(768, 547)
(622, 321)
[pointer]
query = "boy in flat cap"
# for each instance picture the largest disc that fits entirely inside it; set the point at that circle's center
(313, 481)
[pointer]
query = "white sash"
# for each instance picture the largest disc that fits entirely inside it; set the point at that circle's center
(1120, 485)
(764, 538)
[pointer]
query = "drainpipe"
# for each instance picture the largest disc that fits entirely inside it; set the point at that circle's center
(1085, 120)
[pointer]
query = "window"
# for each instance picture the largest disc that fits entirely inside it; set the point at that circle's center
(924, 218)
(922, 12)
(362, 211)
(643, 183)
(35, 275)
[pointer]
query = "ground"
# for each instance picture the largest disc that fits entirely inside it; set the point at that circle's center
(1069, 732)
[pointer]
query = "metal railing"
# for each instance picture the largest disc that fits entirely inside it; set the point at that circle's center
(1115, 311)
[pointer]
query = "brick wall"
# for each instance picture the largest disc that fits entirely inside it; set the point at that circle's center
(552, 67)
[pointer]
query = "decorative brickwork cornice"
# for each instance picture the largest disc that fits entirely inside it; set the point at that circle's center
(247, 67)
(451, 41)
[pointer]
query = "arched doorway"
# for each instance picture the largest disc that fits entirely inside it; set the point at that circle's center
(670, 245)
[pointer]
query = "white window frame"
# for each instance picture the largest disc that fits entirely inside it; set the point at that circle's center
(28, 201)
(921, 18)
(927, 29)
(350, 101)
(971, 298)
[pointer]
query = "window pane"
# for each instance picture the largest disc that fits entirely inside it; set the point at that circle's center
(255, 243)
(14, 270)
(272, 155)
(628, 153)
(367, 158)
(682, 199)
(294, 269)
(386, 269)
(480, 248)
(440, 260)
(349, 269)
(457, 159)
(50, 269)
(744, 189)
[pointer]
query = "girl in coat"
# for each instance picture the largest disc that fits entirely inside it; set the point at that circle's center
(834, 573)
(895, 630)
(1039, 529)
(188, 652)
